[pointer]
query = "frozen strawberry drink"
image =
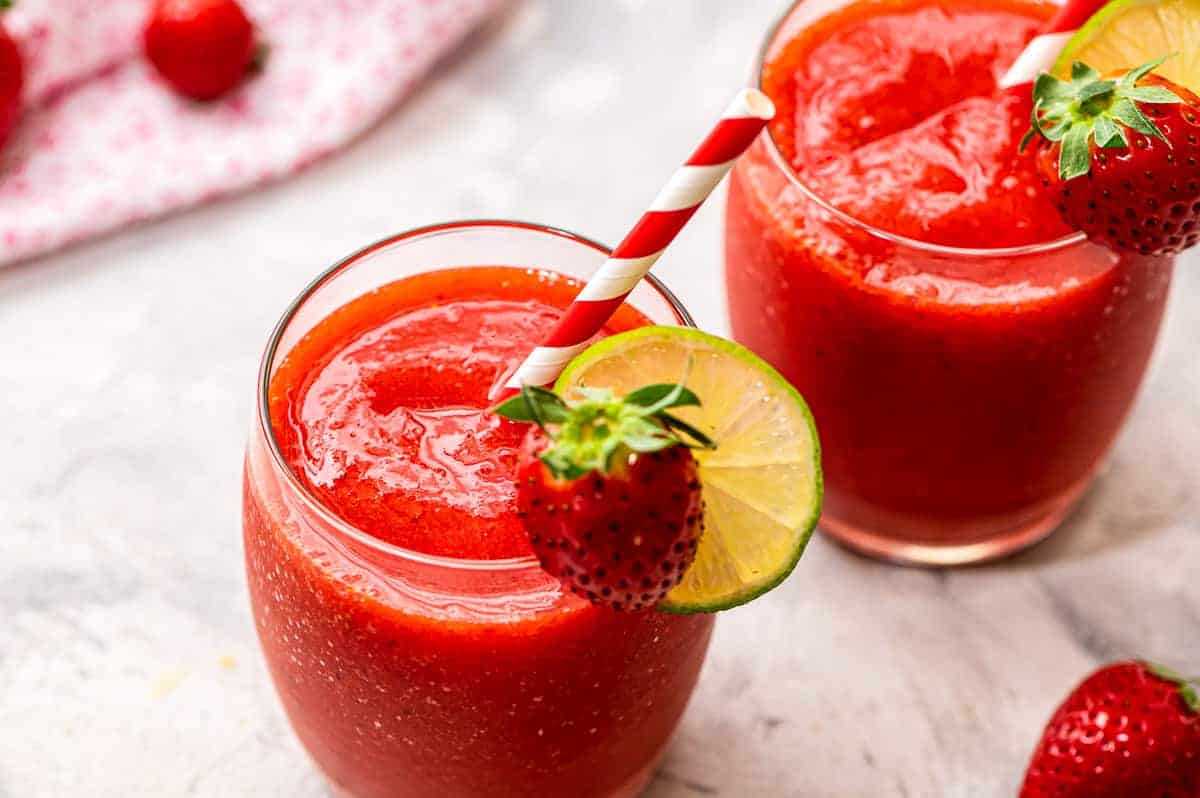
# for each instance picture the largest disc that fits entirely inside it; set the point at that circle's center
(968, 358)
(417, 648)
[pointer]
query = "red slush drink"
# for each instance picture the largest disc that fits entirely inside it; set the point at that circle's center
(418, 650)
(968, 358)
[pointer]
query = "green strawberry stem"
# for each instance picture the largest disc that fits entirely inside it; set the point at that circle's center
(589, 433)
(1090, 108)
(5, 4)
(1189, 689)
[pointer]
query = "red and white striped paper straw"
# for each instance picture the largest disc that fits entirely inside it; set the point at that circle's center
(1041, 54)
(676, 203)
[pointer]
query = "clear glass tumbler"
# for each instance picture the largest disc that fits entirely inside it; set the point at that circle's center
(965, 397)
(407, 675)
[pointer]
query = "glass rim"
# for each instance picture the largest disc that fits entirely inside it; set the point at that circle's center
(781, 163)
(272, 350)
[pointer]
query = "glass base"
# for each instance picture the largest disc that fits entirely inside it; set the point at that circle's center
(630, 789)
(940, 543)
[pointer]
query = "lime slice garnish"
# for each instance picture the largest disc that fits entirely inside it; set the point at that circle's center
(1128, 33)
(761, 485)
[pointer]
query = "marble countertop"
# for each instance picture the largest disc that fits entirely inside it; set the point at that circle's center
(128, 664)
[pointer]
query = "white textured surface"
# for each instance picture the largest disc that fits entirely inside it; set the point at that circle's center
(128, 665)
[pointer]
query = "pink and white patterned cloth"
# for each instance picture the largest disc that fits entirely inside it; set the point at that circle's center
(103, 143)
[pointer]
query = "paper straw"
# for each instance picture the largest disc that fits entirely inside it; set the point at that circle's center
(631, 260)
(1041, 54)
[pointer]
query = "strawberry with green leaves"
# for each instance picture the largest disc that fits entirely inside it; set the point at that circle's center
(1122, 154)
(608, 490)
(1130, 730)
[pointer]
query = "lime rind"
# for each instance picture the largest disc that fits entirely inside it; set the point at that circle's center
(762, 485)
(1127, 33)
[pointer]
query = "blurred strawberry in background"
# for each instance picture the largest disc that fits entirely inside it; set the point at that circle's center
(95, 111)
(12, 78)
(202, 48)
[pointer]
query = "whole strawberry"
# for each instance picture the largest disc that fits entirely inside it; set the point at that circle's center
(12, 79)
(1123, 155)
(608, 491)
(1130, 730)
(203, 48)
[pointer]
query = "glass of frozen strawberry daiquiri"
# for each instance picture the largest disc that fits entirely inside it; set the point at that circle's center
(968, 353)
(433, 631)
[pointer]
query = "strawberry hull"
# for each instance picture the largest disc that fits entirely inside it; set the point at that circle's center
(420, 652)
(965, 397)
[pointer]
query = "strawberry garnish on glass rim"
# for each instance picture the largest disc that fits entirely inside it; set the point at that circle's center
(1123, 154)
(608, 490)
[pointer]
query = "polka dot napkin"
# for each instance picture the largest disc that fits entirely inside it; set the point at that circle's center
(103, 143)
